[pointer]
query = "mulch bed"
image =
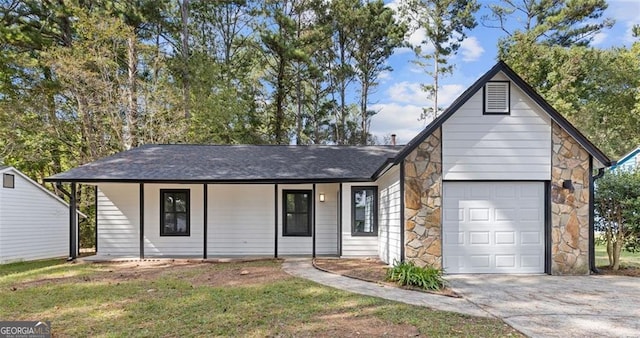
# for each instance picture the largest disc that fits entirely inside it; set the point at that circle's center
(626, 271)
(368, 269)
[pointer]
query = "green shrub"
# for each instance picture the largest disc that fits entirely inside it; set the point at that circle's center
(408, 274)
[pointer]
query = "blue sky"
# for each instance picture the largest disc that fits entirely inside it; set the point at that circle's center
(399, 100)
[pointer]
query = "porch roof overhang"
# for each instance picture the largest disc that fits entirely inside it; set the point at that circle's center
(229, 164)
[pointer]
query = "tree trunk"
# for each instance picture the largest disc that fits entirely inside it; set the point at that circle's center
(280, 93)
(132, 93)
(609, 238)
(617, 247)
(363, 110)
(184, 14)
(299, 119)
(435, 85)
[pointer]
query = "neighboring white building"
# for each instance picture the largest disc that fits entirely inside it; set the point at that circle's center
(34, 223)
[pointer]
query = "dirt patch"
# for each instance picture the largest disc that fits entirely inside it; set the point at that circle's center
(370, 270)
(198, 273)
(250, 275)
(628, 271)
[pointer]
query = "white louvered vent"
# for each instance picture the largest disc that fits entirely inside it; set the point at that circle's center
(496, 97)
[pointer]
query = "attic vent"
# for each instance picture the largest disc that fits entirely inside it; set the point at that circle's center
(496, 98)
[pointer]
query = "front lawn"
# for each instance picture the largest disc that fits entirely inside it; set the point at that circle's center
(160, 298)
(627, 259)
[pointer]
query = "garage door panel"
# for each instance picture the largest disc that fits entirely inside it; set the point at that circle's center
(505, 215)
(531, 238)
(505, 237)
(480, 261)
(479, 237)
(494, 227)
(505, 261)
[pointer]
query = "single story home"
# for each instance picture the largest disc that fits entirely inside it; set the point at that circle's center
(34, 222)
(500, 182)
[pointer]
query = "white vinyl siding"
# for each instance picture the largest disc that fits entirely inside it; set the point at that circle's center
(240, 220)
(118, 219)
(389, 216)
(173, 246)
(33, 223)
(497, 147)
(327, 220)
(354, 246)
(493, 227)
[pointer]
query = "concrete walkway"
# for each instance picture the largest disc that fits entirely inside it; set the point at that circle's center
(536, 305)
(302, 268)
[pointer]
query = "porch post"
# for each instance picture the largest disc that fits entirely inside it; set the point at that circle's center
(313, 221)
(95, 200)
(205, 214)
(275, 221)
(141, 220)
(73, 223)
(340, 220)
(402, 220)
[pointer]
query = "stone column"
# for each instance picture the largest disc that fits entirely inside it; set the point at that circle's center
(423, 202)
(569, 207)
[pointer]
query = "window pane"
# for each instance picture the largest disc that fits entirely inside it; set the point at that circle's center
(169, 222)
(8, 181)
(181, 202)
(364, 210)
(181, 220)
(168, 202)
(297, 223)
(291, 202)
(302, 202)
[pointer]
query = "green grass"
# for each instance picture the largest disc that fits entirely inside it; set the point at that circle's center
(95, 300)
(627, 259)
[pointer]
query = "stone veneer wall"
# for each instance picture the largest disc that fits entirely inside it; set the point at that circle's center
(423, 202)
(569, 209)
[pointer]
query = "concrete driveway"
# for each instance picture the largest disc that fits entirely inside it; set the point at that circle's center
(553, 306)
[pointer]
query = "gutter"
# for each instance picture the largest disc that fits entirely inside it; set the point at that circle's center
(592, 244)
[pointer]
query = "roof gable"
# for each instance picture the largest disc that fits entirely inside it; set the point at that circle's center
(15, 171)
(528, 90)
(631, 155)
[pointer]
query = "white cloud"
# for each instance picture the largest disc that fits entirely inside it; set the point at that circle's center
(411, 92)
(448, 93)
(384, 76)
(400, 116)
(407, 92)
(599, 38)
(625, 12)
(470, 49)
(394, 118)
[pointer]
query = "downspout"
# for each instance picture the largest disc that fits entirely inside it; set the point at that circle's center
(592, 244)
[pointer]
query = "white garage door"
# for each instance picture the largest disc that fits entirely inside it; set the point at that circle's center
(493, 227)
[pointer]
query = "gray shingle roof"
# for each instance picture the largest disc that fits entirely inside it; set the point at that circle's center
(233, 163)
